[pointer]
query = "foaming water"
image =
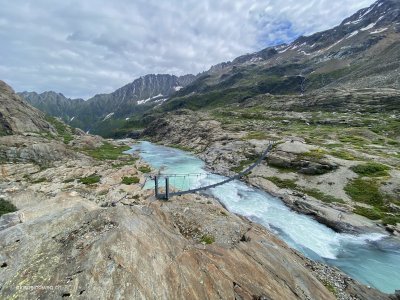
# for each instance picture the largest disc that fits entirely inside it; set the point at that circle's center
(373, 259)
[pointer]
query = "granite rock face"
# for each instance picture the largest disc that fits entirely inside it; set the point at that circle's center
(148, 249)
(18, 117)
(25, 135)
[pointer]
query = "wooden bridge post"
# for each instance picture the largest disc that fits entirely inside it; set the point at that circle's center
(166, 188)
(156, 186)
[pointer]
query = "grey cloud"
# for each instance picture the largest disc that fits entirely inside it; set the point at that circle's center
(81, 48)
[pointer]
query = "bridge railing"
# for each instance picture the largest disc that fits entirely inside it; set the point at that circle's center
(168, 193)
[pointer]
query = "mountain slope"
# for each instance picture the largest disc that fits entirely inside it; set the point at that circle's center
(52, 103)
(106, 110)
(362, 52)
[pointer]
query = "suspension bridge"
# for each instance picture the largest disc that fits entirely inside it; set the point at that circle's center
(181, 188)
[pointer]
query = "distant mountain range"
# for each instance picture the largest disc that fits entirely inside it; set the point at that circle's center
(362, 52)
(99, 112)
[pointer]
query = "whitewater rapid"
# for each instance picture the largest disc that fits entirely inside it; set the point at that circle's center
(373, 259)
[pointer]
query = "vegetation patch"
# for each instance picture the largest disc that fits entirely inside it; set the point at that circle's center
(256, 135)
(107, 151)
(207, 239)
(365, 191)
(62, 129)
(354, 140)
(342, 154)
(144, 169)
(89, 180)
(370, 213)
(130, 180)
(124, 162)
(391, 220)
(39, 180)
(317, 194)
(371, 169)
(314, 154)
(283, 183)
(291, 184)
(69, 180)
(330, 287)
(6, 207)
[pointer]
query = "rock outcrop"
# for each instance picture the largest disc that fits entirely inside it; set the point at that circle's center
(63, 244)
(25, 135)
(18, 117)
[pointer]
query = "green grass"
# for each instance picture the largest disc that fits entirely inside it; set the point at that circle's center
(256, 135)
(63, 131)
(314, 154)
(106, 151)
(207, 239)
(354, 140)
(371, 169)
(291, 184)
(6, 207)
(391, 220)
(144, 169)
(39, 180)
(330, 287)
(283, 183)
(124, 162)
(370, 213)
(317, 194)
(364, 191)
(342, 154)
(69, 180)
(130, 180)
(89, 180)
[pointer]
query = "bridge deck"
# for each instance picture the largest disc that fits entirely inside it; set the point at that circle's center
(237, 176)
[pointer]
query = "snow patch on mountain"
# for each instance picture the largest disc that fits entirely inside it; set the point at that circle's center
(149, 99)
(368, 27)
(379, 30)
(352, 34)
(108, 116)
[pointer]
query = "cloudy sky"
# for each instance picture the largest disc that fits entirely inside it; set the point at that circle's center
(82, 48)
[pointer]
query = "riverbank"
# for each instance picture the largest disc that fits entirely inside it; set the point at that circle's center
(361, 255)
(307, 177)
(82, 230)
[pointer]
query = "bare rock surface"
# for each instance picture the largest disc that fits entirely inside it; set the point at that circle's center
(18, 117)
(65, 245)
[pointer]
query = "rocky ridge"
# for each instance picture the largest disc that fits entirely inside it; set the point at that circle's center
(102, 110)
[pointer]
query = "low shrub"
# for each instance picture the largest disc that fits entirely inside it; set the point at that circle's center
(391, 220)
(365, 191)
(130, 180)
(371, 169)
(283, 183)
(106, 151)
(92, 179)
(6, 207)
(144, 169)
(207, 239)
(370, 213)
